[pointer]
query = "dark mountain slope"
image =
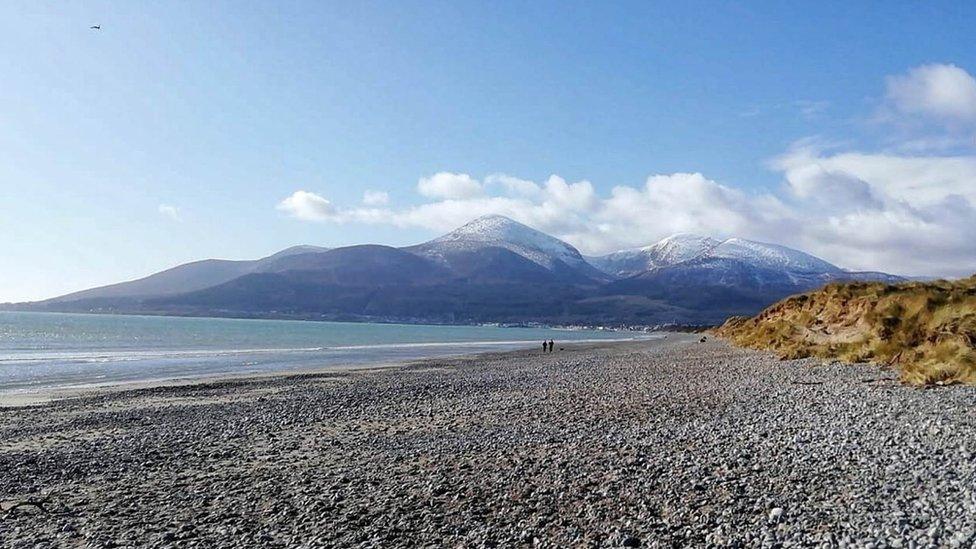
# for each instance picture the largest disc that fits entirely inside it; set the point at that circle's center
(379, 282)
(186, 278)
(183, 278)
(492, 269)
(366, 265)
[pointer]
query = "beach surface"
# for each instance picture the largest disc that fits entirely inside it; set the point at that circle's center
(664, 443)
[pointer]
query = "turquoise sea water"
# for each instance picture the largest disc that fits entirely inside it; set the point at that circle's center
(42, 351)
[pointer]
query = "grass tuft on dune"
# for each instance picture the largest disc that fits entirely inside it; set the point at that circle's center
(926, 330)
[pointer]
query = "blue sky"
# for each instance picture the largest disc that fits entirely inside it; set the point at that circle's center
(181, 130)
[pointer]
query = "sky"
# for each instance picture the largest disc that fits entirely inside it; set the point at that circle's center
(187, 130)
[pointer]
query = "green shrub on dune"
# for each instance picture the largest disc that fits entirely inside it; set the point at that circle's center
(927, 331)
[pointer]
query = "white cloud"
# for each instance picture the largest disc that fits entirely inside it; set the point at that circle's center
(573, 196)
(172, 212)
(449, 186)
(308, 206)
(944, 92)
(916, 179)
(514, 186)
(909, 215)
(376, 198)
(629, 216)
(901, 213)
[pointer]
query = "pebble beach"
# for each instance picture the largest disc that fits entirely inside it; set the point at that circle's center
(641, 444)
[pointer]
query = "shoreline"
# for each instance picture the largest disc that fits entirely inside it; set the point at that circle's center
(623, 328)
(24, 398)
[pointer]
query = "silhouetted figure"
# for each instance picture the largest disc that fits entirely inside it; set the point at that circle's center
(550, 345)
(544, 345)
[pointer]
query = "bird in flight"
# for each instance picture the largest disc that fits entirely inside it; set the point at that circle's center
(96, 27)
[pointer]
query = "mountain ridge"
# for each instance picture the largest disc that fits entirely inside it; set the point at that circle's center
(683, 247)
(195, 275)
(490, 269)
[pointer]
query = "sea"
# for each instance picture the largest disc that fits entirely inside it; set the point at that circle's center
(42, 352)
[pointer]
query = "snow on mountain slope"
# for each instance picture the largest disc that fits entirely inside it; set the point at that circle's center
(771, 256)
(673, 249)
(681, 248)
(502, 232)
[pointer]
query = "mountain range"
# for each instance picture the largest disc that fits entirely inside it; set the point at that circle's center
(492, 269)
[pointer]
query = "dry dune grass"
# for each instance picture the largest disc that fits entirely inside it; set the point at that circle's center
(925, 330)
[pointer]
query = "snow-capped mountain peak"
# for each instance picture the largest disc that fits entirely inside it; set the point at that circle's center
(680, 247)
(502, 232)
(683, 247)
(668, 251)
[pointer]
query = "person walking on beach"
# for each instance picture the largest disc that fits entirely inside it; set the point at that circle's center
(544, 344)
(550, 345)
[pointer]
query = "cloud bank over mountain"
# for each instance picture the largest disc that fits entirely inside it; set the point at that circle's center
(888, 210)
